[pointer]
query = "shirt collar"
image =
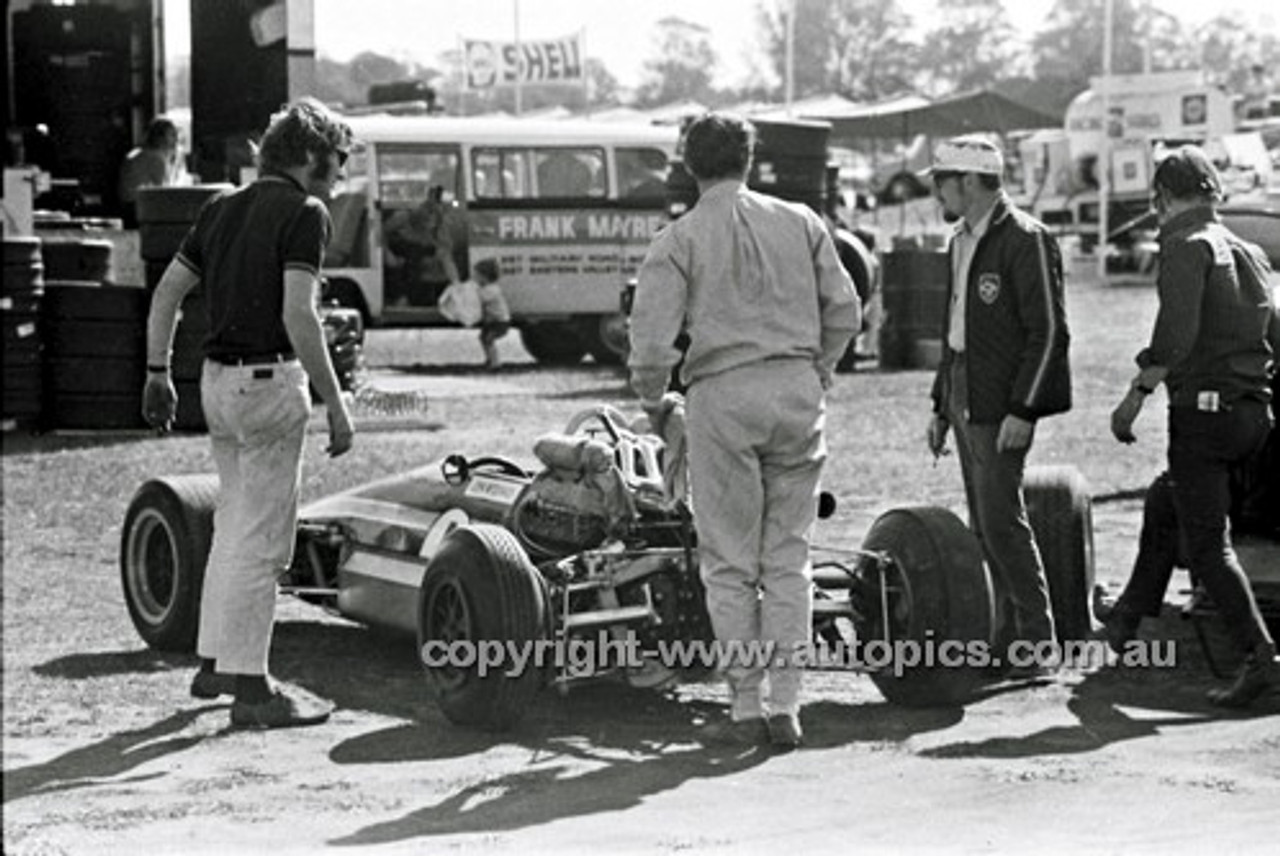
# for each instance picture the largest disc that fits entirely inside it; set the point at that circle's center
(283, 177)
(984, 222)
(1189, 219)
(727, 187)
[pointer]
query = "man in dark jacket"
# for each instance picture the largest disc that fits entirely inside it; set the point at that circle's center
(1004, 366)
(1214, 348)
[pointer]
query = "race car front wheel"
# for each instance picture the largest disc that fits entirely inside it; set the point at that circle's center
(163, 551)
(932, 609)
(481, 611)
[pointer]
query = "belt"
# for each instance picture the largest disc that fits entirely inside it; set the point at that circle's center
(253, 359)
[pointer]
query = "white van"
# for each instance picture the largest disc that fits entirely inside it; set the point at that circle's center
(567, 207)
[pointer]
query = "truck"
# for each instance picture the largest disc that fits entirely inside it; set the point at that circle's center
(1146, 115)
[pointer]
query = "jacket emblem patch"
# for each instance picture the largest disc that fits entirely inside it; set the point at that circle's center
(989, 287)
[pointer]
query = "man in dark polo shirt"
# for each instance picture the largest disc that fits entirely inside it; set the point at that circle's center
(1214, 347)
(257, 251)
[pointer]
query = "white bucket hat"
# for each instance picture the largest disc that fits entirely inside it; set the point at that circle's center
(967, 154)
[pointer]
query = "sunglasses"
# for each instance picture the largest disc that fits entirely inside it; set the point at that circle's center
(940, 177)
(342, 155)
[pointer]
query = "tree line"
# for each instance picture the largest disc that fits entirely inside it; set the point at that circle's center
(867, 51)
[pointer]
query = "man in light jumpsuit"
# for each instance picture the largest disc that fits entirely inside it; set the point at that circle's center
(769, 310)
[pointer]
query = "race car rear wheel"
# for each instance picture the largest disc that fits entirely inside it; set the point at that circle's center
(939, 594)
(1060, 511)
(478, 590)
(163, 551)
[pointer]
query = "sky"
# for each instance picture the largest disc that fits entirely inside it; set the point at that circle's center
(620, 32)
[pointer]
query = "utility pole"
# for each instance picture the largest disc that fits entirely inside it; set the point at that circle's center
(1104, 149)
(790, 73)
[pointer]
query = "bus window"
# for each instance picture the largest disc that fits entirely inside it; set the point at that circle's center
(406, 176)
(642, 173)
(500, 173)
(570, 173)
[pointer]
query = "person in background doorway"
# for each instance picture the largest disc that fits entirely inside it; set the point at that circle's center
(421, 238)
(152, 164)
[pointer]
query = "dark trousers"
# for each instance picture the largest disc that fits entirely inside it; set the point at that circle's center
(1184, 518)
(998, 516)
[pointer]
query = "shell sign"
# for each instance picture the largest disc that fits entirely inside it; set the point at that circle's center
(488, 64)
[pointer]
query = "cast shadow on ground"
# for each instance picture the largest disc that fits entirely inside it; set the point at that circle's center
(103, 664)
(637, 743)
(49, 442)
(641, 743)
(87, 766)
(1112, 705)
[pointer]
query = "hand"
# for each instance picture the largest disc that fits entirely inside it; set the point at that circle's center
(341, 430)
(936, 436)
(159, 401)
(1015, 434)
(1125, 414)
(655, 410)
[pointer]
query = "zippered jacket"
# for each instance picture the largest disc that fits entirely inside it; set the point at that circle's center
(1016, 336)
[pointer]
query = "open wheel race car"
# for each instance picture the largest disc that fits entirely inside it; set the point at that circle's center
(592, 542)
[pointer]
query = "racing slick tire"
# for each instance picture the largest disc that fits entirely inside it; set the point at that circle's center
(164, 548)
(553, 344)
(1060, 511)
(939, 592)
(480, 588)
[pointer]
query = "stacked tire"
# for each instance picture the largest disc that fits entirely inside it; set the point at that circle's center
(94, 355)
(23, 291)
(165, 215)
(76, 259)
(790, 160)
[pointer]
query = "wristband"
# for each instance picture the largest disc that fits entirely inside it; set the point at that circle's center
(157, 369)
(1145, 390)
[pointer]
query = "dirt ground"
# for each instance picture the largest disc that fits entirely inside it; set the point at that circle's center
(104, 752)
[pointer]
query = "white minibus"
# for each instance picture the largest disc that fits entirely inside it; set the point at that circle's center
(566, 207)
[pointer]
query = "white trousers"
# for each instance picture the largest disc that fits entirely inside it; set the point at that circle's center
(257, 417)
(756, 451)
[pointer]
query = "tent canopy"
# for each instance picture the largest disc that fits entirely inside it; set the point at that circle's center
(969, 112)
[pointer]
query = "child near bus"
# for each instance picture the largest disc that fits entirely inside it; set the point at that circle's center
(495, 318)
(479, 301)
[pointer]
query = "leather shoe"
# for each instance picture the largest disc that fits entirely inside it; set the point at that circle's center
(735, 732)
(1259, 676)
(208, 684)
(785, 731)
(292, 709)
(1032, 672)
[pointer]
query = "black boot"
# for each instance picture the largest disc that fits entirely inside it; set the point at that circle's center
(1260, 675)
(1120, 627)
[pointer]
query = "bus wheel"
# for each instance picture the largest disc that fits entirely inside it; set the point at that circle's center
(606, 338)
(553, 344)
